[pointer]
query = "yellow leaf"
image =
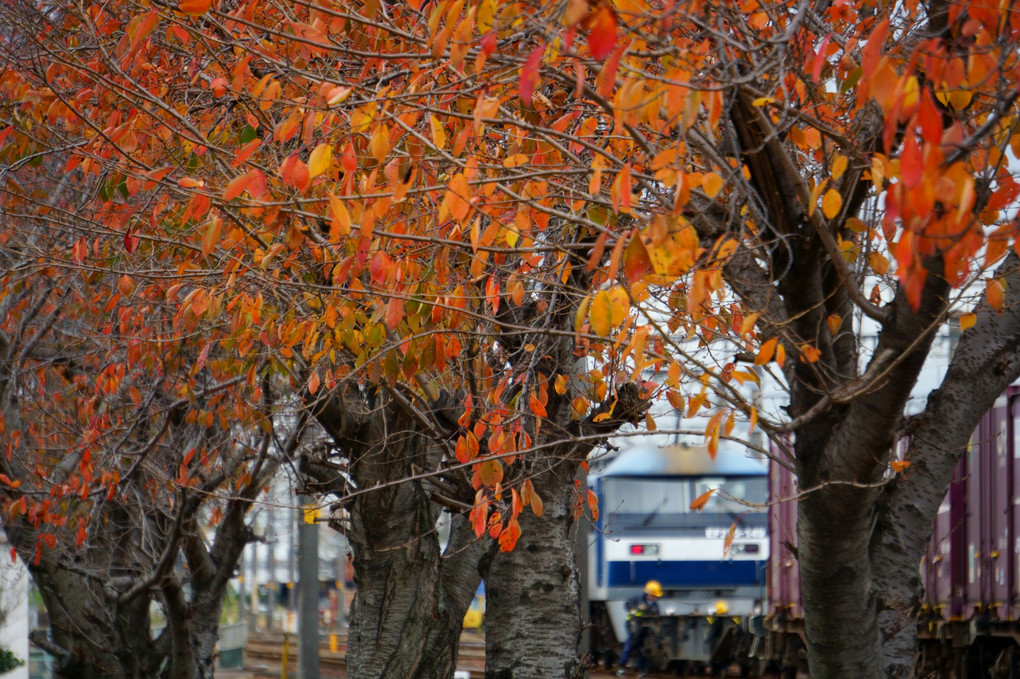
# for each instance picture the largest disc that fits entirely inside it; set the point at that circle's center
(838, 166)
(341, 223)
(831, 203)
(762, 101)
(967, 321)
(320, 159)
(815, 192)
(379, 145)
(855, 225)
(438, 133)
(711, 184)
(609, 309)
(486, 16)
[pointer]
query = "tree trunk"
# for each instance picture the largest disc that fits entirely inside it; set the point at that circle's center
(533, 617)
(410, 599)
(909, 506)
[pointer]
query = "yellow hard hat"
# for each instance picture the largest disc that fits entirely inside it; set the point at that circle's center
(653, 588)
(721, 607)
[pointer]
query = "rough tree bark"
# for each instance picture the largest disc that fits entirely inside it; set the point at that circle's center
(939, 437)
(533, 592)
(411, 596)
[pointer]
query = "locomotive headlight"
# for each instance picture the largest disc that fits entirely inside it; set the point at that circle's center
(644, 550)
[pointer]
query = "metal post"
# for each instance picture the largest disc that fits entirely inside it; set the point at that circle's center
(271, 567)
(253, 590)
(242, 598)
(308, 593)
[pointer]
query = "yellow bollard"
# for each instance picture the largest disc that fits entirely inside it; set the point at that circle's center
(283, 656)
(333, 645)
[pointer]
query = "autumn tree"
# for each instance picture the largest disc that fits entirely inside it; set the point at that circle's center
(128, 471)
(392, 312)
(463, 231)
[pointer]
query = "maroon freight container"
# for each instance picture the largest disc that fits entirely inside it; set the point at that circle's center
(997, 501)
(972, 508)
(1012, 440)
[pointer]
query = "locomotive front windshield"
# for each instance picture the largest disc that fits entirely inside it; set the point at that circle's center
(644, 502)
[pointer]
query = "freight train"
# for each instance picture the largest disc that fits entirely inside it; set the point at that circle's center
(744, 606)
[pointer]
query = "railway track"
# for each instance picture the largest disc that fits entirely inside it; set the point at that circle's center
(264, 655)
(264, 658)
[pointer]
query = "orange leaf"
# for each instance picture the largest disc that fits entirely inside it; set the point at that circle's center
(995, 293)
(702, 500)
(967, 321)
(593, 505)
(313, 384)
(728, 542)
(636, 262)
(195, 7)
(237, 186)
(768, 349)
(537, 506)
(508, 538)
(536, 406)
(899, 466)
(833, 321)
(711, 184)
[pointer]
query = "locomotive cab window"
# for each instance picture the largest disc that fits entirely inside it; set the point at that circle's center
(643, 503)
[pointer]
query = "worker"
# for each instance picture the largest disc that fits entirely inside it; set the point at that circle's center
(638, 607)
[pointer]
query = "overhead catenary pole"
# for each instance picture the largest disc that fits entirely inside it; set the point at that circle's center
(308, 592)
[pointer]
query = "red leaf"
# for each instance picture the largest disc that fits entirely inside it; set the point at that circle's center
(195, 7)
(529, 74)
(295, 173)
(929, 118)
(819, 60)
(130, 242)
(602, 36)
(911, 167)
(394, 312)
(479, 513)
(489, 43)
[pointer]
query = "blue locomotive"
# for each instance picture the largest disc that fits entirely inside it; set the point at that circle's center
(647, 531)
